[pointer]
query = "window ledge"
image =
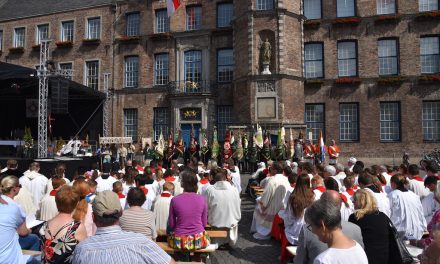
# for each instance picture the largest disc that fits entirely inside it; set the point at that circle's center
(429, 78)
(348, 81)
(347, 21)
(387, 18)
(390, 80)
(161, 36)
(428, 15)
(16, 50)
(314, 82)
(128, 39)
(91, 41)
(64, 44)
(312, 23)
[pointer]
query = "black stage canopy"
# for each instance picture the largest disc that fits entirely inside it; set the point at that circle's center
(74, 107)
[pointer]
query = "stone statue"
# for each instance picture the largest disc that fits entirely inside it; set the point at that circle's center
(266, 53)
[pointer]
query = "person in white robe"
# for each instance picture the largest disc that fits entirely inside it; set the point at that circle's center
(35, 182)
(48, 206)
(416, 183)
(25, 200)
(383, 203)
(105, 182)
(235, 175)
(60, 173)
(429, 203)
(406, 210)
(161, 207)
(270, 203)
(224, 206)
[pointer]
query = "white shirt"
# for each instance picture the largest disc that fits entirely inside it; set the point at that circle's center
(236, 180)
(36, 183)
(223, 205)
(48, 208)
(418, 187)
(161, 211)
(292, 226)
(105, 184)
(382, 201)
(407, 214)
(355, 254)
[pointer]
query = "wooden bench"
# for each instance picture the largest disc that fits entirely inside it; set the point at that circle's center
(31, 252)
(170, 250)
(211, 233)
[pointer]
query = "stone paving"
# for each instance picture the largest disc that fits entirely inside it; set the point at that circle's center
(247, 249)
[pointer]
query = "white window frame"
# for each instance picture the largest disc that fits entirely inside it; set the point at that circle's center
(314, 118)
(389, 121)
(346, 61)
(313, 9)
(430, 54)
(131, 121)
(349, 122)
(264, 4)
(313, 61)
(385, 7)
(346, 8)
(132, 28)
(65, 37)
(89, 33)
(193, 66)
(161, 121)
(431, 120)
(161, 21)
(388, 54)
(225, 65)
(39, 33)
(161, 68)
(60, 66)
(428, 5)
(197, 23)
(87, 80)
(22, 42)
(131, 71)
(224, 119)
(225, 13)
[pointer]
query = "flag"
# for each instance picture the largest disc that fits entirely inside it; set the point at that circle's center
(321, 147)
(172, 6)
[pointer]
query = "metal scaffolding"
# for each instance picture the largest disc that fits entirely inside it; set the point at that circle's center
(43, 90)
(107, 106)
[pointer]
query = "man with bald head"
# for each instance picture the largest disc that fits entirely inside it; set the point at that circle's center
(309, 246)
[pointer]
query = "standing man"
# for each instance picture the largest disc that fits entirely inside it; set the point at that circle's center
(122, 155)
(35, 182)
(309, 152)
(333, 153)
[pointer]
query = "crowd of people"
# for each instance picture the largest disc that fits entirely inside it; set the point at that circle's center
(336, 214)
(114, 215)
(331, 213)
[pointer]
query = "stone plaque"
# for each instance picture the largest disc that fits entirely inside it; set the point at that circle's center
(266, 108)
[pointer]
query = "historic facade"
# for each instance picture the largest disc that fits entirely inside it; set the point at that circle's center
(364, 72)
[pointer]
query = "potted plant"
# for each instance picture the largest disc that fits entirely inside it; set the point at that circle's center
(36, 47)
(348, 81)
(16, 50)
(64, 44)
(387, 18)
(161, 36)
(431, 78)
(390, 80)
(347, 21)
(91, 41)
(313, 82)
(128, 39)
(428, 15)
(312, 23)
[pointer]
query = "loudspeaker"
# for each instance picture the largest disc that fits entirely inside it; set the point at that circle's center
(60, 96)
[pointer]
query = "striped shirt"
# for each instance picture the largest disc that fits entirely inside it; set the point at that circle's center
(112, 245)
(139, 221)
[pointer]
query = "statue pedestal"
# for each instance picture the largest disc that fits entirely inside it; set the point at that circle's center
(266, 69)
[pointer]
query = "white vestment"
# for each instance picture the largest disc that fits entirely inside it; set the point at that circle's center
(429, 205)
(407, 214)
(36, 183)
(105, 184)
(25, 200)
(161, 211)
(224, 207)
(272, 201)
(48, 208)
(50, 186)
(418, 187)
(383, 203)
(236, 180)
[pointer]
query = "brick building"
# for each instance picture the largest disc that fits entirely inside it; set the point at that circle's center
(365, 72)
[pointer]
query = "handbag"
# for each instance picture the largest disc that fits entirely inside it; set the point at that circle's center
(398, 253)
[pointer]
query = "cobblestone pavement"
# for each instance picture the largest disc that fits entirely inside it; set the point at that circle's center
(247, 249)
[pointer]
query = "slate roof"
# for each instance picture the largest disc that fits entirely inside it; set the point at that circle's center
(15, 9)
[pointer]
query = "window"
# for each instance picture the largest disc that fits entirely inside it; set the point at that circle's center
(193, 66)
(132, 24)
(67, 69)
(19, 35)
(312, 9)
(161, 64)
(387, 53)
(94, 28)
(385, 7)
(348, 122)
(92, 74)
(345, 8)
(161, 122)
(131, 71)
(264, 4)
(162, 22)
(193, 18)
(347, 59)
(389, 121)
(225, 12)
(428, 5)
(224, 119)
(429, 55)
(313, 59)
(431, 121)
(315, 119)
(42, 33)
(67, 31)
(131, 123)
(1, 40)
(225, 65)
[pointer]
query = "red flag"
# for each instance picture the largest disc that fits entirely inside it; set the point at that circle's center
(172, 6)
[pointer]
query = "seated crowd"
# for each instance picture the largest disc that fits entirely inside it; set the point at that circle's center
(115, 216)
(333, 214)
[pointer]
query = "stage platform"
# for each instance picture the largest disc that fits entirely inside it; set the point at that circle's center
(73, 164)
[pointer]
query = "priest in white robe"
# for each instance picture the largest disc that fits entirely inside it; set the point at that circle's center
(161, 208)
(270, 203)
(48, 206)
(35, 182)
(224, 206)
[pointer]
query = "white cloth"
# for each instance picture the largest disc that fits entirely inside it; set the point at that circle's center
(383, 203)
(48, 208)
(407, 214)
(418, 187)
(236, 179)
(126, 187)
(387, 178)
(36, 183)
(161, 211)
(346, 211)
(292, 226)
(50, 186)
(105, 184)
(429, 205)
(25, 200)
(342, 256)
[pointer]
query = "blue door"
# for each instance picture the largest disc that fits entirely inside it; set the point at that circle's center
(186, 133)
